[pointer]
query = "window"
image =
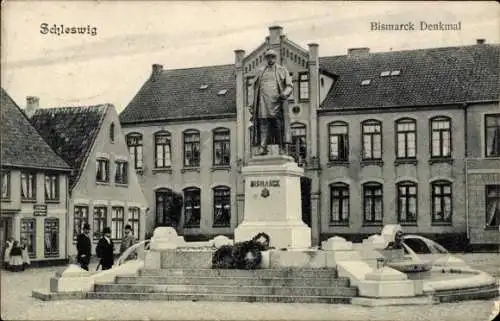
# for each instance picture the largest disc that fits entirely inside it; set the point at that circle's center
(441, 202)
(163, 152)
(164, 199)
(28, 186)
(372, 140)
(372, 203)
(134, 220)
(249, 90)
(298, 149)
(117, 218)
(51, 237)
(102, 172)
(121, 174)
(80, 217)
(406, 130)
(192, 148)
(5, 185)
(395, 72)
(441, 137)
(51, 187)
(366, 82)
(339, 141)
(192, 213)
(28, 231)
(492, 205)
(134, 143)
(407, 202)
(100, 220)
(222, 146)
(492, 135)
(112, 132)
(339, 204)
(222, 206)
(385, 73)
(303, 86)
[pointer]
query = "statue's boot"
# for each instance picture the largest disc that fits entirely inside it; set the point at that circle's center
(263, 151)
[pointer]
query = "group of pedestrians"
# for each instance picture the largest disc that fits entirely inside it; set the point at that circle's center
(104, 249)
(16, 257)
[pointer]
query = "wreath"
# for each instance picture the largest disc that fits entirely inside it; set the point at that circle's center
(243, 255)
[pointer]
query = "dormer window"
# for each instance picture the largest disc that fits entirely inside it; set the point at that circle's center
(395, 72)
(385, 73)
(365, 82)
(202, 87)
(222, 92)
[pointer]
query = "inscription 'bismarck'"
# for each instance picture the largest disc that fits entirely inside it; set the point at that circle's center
(265, 183)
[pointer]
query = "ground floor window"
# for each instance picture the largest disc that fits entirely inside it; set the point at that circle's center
(99, 221)
(28, 232)
(192, 213)
(372, 203)
(80, 217)
(339, 204)
(134, 220)
(492, 205)
(222, 206)
(441, 202)
(117, 218)
(51, 237)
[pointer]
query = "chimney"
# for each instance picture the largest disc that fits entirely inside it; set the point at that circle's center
(275, 33)
(358, 51)
(156, 72)
(480, 41)
(32, 104)
(239, 54)
(313, 51)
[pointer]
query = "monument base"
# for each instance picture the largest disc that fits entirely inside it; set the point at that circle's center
(283, 235)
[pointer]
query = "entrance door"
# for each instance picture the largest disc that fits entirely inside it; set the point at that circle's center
(5, 231)
(305, 188)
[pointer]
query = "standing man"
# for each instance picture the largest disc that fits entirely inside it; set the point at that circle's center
(83, 247)
(127, 241)
(272, 87)
(104, 250)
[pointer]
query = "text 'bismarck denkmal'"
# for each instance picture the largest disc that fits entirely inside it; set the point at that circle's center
(62, 29)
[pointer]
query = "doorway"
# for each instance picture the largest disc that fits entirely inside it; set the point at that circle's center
(305, 193)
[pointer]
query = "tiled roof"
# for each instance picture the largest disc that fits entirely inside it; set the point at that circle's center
(427, 77)
(71, 131)
(178, 94)
(434, 76)
(21, 144)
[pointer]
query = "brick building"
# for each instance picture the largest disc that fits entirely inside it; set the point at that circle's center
(380, 136)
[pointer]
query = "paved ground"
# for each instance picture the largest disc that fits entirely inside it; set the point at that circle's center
(17, 304)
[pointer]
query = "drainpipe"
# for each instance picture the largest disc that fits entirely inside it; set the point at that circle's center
(67, 217)
(466, 176)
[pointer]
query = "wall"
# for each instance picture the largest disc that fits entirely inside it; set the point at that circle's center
(90, 193)
(18, 210)
(355, 173)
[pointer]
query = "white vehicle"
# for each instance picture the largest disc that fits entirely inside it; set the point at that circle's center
(428, 250)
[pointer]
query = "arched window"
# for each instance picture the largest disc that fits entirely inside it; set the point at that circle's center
(338, 132)
(112, 132)
(164, 200)
(192, 212)
(407, 197)
(373, 209)
(191, 148)
(222, 206)
(406, 138)
(134, 143)
(221, 147)
(440, 137)
(442, 206)
(339, 204)
(298, 148)
(163, 149)
(372, 139)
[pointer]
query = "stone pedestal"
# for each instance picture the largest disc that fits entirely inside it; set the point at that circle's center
(273, 203)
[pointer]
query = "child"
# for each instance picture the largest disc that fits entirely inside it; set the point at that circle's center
(16, 259)
(24, 251)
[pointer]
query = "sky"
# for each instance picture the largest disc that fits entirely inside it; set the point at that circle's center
(110, 67)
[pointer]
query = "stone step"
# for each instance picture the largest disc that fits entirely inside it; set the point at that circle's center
(218, 289)
(485, 292)
(216, 297)
(241, 273)
(236, 281)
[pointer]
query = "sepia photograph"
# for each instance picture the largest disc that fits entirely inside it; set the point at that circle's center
(250, 160)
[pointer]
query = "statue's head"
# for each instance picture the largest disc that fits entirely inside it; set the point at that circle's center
(270, 57)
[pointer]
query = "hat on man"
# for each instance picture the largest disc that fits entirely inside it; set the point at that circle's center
(106, 230)
(270, 52)
(86, 226)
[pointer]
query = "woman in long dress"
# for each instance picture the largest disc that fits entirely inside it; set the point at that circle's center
(16, 258)
(6, 255)
(25, 254)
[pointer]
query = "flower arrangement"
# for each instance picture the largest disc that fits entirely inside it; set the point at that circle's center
(242, 255)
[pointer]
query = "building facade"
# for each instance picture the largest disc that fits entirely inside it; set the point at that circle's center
(34, 188)
(104, 188)
(380, 137)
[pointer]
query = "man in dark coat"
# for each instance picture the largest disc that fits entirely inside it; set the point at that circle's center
(83, 247)
(104, 250)
(272, 87)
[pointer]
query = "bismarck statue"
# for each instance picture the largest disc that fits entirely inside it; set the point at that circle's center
(272, 87)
